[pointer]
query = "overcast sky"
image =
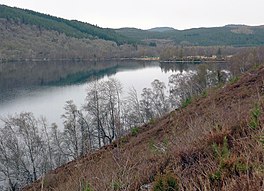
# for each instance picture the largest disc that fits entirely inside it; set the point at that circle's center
(145, 14)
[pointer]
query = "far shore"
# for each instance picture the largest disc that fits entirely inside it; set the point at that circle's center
(189, 59)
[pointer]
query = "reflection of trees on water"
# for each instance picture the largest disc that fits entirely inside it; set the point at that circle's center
(26, 74)
(176, 66)
(187, 66)
(32, 74)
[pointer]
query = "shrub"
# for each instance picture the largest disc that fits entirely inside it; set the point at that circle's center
(124, 140)
(254, 117)
(186, 102)
(87, 187)
(117, 185)
(166, 182)
(134, 131)
(241, 167)
(152, 121)
(233, 79)
(215, 177)
(204, 94)
(221, 152)
(261, 140)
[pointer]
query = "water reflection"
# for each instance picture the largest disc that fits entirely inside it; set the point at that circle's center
(21, 78)
(44, 87)
(25, 74)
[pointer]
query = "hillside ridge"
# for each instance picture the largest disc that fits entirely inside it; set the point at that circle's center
(72, 28)
(233, 35)
(181, 144)
(229, 35)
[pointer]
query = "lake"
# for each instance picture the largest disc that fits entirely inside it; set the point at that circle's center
(43, 87)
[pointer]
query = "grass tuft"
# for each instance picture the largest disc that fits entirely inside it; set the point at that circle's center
(166, 182)
(254, 117)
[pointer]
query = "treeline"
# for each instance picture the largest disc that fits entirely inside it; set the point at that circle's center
(70, 28)
(21, 42)
(198, 53)
(230, 35)
(28, 35)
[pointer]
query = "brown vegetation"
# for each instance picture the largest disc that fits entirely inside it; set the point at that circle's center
(21, 42)
(24, 42)
(209, 145)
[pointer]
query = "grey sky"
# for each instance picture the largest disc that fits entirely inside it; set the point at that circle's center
(145, 14)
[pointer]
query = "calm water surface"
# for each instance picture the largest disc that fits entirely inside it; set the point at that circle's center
(44, 94)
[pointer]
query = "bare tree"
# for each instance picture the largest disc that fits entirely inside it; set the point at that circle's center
(103, 104)
(47, 139)
(147, 104)
(159, 97)
(57, 142)
(9, 163)
(112, 90)
(72, 132)
(181, 88)
(154, 100)
(29, 136)
(132, 110)
(23, 153)
(93, 106)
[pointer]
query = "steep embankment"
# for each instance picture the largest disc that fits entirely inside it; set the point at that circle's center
(215, 143)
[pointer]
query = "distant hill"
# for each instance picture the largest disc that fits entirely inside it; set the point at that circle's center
(161, 29)
(71, 28)
(141, 35)
(29, 35)
(233, 35)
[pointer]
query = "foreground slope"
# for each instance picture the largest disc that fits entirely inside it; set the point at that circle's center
(215, 143)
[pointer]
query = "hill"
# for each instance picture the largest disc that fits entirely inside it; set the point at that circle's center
(214, 143)
(28, 35)
(161, 29)
(140, 35)
(233, 35)
(71, 28)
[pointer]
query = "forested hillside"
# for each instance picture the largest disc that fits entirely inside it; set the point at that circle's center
(71, 28)
(25, 36)
(28, 35)
(233, 35)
